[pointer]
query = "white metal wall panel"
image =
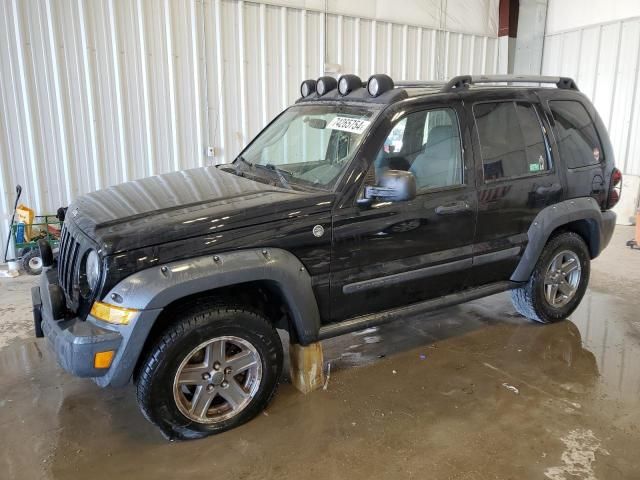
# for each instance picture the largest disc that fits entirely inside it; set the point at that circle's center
(604, 61)
(97, 92)
(563, 15)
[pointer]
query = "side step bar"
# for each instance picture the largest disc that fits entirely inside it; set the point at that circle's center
(386, 316)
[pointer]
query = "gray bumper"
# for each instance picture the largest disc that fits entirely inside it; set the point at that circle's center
(74, 341)
(608, 226)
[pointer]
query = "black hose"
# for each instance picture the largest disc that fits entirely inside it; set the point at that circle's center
(13, 217)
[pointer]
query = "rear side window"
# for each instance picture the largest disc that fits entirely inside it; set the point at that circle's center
(578, 141)
(511, 140)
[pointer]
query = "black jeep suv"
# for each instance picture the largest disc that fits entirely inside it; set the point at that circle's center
(361, 203)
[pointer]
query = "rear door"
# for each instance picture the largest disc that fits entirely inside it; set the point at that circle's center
(388, 254)
(516, 178)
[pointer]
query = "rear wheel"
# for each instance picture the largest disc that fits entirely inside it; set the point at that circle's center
(557, 283)
(214, 369)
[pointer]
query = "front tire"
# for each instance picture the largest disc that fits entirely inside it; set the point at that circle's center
(215, 368)
(558, 281)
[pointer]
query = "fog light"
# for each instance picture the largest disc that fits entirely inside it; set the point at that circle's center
(103, 359)
(112, 314)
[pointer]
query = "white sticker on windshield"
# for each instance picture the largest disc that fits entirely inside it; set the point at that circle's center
(346, 124)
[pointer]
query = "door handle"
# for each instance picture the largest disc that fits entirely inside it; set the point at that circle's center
(452, 208)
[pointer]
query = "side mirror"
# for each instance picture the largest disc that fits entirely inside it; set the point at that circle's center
(394, 186)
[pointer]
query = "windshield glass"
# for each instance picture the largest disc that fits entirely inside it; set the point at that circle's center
(308, 144)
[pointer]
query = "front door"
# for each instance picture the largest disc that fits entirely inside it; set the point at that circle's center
(387, 254)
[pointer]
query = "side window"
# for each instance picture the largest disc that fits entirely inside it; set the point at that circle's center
(426, 143)
(393, 143)
(511, 140)
(578, 141)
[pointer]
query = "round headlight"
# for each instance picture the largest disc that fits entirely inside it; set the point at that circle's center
(93, 269)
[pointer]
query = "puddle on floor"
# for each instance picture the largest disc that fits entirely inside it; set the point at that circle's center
(600, 342)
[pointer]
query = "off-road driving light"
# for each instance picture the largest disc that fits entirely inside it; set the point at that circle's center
(348, 83)
(307, 88)
(378, 84)
(112, 314)
(325, 84)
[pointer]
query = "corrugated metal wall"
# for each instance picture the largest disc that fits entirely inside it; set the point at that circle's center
(604, 60)
(93, 93)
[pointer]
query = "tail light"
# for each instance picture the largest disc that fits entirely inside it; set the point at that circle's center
(615, 188)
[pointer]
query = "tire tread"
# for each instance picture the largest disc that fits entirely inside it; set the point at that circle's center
(202, 312)
(525, 299)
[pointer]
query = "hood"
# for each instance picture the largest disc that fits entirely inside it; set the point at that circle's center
(183, 204)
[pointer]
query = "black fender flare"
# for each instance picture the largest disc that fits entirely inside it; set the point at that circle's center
(155, 288)
(600, 227)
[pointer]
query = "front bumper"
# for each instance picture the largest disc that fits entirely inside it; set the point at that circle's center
(74, 341)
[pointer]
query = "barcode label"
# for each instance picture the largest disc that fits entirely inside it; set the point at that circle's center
(346, 124)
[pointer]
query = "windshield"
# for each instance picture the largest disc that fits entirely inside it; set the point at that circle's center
(308, 144)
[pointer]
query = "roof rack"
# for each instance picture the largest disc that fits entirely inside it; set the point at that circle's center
(463, 81)
(419, 83)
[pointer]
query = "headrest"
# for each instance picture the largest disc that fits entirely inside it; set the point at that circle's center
(440, 134)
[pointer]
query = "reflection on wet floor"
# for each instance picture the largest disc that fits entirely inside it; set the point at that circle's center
(473, 391)
(601, 330)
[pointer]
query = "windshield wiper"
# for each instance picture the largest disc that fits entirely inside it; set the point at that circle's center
(268, 166)
(278, 171)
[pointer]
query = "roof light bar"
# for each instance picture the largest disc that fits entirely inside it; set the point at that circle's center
(348, 83)
(308, 87)
(378, 84)
(325, 85)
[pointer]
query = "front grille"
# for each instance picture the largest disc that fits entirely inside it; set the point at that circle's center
(69, 259)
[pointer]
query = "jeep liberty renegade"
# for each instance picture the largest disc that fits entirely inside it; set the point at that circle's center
(362, 203)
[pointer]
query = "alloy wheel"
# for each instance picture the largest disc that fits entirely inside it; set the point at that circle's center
(217, 379)
(562, 278)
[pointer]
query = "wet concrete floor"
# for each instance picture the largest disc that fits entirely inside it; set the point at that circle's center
(471, 392)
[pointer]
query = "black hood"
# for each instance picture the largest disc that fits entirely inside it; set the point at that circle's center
(180, 205)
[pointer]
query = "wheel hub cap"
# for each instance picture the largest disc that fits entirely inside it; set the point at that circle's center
(562, 278)
(217, 379)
